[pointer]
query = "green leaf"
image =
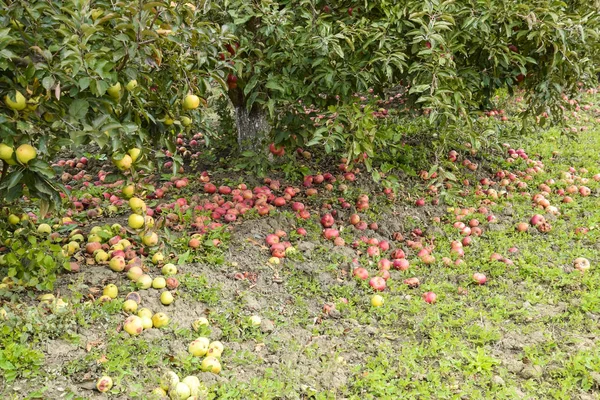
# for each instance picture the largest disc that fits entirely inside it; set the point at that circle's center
(79, 109)
(48, 82)
(271, 84)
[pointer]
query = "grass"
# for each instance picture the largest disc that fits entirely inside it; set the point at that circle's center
(529, 332)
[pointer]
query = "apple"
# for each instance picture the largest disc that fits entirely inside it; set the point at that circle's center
(172, 283)
(124, 163)
(101, 256)
(111, 291)
(144, 312)
(44, 229)
(581, 264)
(131, 85)
(144, 282)
(134, 273)
(377, 300)
(191, 102)
(133, 325)
(479, 278)
(180, 391)
(211, 364)
(135, 221)
(361, 273)
(169, 269)
(157, 258)
(159, 282)
(135, 296)
(134, 153)
(25, 153)
(215, 349)
(166, 298)
(187, 121)
(160, 319)
(169, 380)
(194, 384)
(130, 306)
(429, 297)
(18, 104)
(128, 191)
(377, 283)
(6, 153)
(137, 205)
(117, 264)
(114, 91)
(146, 322)
(199, 347)
(104, 384)
(150, 239)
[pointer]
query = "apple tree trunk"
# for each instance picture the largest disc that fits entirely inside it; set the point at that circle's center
(253, 126)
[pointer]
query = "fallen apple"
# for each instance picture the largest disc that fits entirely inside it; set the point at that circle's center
(133, 325)
(377, 300)
(194, 384)
(429, 297)
(169, 269)
(202, 321)
(130, 306)
(581, 264)
(104, 384)
(180, 391)
(144, 282)
(159, 283)
(117, 264)
(147, 322)
(199, 347)
(166, 298)
(144, 312)
(168, 380)
(160, 319)
(111, 291)
(211, 364)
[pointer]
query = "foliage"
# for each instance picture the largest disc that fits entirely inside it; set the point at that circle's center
(31, 259)
(296, 58)
(66, 57)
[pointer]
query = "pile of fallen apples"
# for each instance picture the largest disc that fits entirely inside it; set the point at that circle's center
(123, 249)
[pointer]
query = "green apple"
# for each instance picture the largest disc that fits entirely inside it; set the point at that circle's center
(114, 91)
(169, 269)
(131, 85)
(166, 298)
(159, 282)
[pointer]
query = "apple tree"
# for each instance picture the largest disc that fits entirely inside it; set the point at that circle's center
(295, 59)
(126, 76)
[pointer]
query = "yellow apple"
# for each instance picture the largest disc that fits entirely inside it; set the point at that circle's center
(124, 163)
(135, 221)
(25, 153)
(18, 103)
(6, 153)
(191, 102)
(134, 153)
